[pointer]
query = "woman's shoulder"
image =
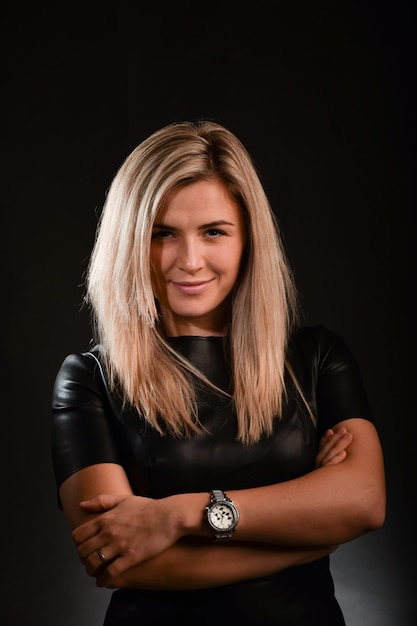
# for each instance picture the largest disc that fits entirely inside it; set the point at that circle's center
(80, 374)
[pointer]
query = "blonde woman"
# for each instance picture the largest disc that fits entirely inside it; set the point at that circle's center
(210, 454)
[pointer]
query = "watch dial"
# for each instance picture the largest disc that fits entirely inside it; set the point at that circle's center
(221, 517)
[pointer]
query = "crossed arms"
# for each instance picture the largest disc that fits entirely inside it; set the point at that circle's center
(166, 543)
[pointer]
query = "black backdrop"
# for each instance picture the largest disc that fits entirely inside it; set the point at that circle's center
(321, 93)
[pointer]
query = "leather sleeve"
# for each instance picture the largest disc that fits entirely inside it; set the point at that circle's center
(340, 391)
(83, 430)
(329, 375)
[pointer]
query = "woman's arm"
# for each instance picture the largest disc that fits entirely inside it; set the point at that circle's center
(333, 504)
(191, 563)
(197, 565)
(118, 536)
(327, 506)
(188, 564)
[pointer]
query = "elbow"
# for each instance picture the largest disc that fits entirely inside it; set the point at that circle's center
(378, 517)
(373, 511)
(375, 518)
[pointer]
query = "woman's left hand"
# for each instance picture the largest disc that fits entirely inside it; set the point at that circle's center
(128, 530)
(332, 447)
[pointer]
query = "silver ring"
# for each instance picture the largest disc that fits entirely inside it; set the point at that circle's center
(102, 557)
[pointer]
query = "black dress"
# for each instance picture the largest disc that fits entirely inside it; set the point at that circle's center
(90, 426)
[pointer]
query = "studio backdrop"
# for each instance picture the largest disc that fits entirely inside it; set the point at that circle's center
(321, 94)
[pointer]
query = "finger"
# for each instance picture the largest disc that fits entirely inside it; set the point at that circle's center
(324, 445)
(337, 441)
(85, 531)
(117, 567)
(338, 445)
(333, 436)
(341, 442)
(106, 574)
(331, 446)
(99, 560)
(327, 436)
(105, 579)
(101, 503)
(101, 580)
(88, 549)
(337, 458)
(327, 441)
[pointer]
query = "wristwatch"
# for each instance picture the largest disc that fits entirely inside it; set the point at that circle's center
(222, 515)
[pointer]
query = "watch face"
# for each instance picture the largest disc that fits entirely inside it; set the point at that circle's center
(221, 516)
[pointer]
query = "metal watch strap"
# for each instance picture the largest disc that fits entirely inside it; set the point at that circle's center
(217, 495)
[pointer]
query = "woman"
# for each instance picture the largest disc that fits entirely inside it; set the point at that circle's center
(209, 453)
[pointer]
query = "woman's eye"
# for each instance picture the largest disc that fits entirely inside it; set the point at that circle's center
(215, 232)
(161, 234)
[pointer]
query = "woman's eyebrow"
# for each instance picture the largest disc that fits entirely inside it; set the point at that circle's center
(202, 226)
(217, 223)
(162, 225)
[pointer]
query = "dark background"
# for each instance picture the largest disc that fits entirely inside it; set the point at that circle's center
(322, 94)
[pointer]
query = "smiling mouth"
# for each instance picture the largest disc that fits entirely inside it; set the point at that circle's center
(192, 288)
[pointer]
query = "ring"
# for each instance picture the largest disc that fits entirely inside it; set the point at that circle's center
(102, 557)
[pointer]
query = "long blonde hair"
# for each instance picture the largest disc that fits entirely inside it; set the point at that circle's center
(148, 373)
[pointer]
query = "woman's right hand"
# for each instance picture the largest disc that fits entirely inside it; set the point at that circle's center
(332, 447)
(127, 530)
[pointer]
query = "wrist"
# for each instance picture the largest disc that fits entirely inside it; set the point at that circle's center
(190, 511)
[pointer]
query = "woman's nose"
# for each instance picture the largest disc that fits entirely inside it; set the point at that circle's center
(190, 255)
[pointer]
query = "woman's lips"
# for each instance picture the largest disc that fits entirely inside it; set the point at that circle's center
(191, 288)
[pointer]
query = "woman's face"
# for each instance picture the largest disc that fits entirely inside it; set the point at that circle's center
(197, 245)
